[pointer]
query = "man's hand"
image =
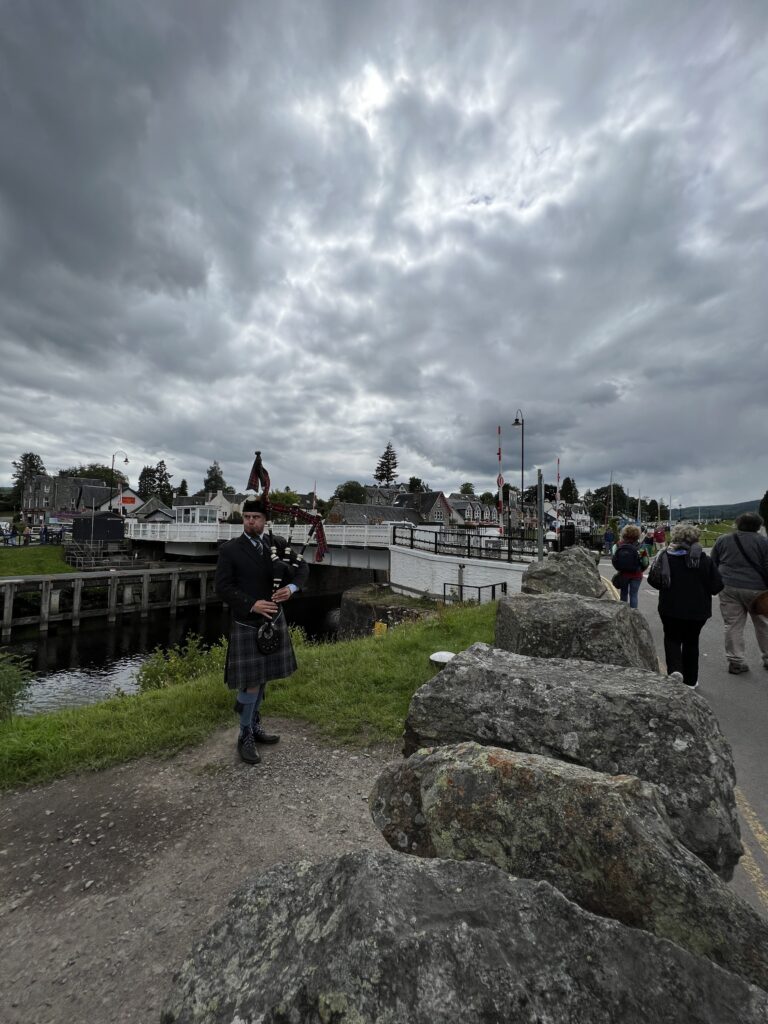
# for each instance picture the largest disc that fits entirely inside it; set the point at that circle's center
(283, 594)
(265, 608)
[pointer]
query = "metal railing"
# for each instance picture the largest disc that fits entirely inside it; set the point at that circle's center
(466, 544)
(458, 592)
(212, 533)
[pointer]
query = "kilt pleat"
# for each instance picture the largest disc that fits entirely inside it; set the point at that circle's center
(247, 667)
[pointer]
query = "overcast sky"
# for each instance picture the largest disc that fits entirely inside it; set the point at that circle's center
(314, 227)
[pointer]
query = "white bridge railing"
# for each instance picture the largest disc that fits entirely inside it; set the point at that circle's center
(212, 533)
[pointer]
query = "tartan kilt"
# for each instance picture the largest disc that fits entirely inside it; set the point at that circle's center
(247, 667)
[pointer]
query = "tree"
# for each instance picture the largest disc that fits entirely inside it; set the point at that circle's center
(467, 488)
(351, 491)
(598, 510)
(620, 499)
(486, 498)
(27, 466)
(214, 479)
(183, 491)
(147, 483)
(285, 497)
(653, 509)
(417, 485)
(763, 508)
(163, 488)
(385, 471)
(96, 471)
(569, 492)
(550, 493)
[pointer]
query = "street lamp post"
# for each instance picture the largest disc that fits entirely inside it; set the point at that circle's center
(520, 422)
(112, 477)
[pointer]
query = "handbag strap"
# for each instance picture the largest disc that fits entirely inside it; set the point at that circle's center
(752, 562)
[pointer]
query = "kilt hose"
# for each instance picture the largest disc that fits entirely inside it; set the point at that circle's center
(247, 667)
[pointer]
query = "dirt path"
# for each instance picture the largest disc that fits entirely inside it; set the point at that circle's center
(108, 879)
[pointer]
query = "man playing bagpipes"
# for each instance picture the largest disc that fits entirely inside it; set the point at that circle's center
(256, 574)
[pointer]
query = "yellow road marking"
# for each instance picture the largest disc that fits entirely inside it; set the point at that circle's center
(749, 864)
(751, 818)
(760, 835)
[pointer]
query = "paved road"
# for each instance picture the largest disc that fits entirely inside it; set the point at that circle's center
(740, 704)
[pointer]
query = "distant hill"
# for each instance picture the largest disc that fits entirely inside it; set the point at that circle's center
(717, 511)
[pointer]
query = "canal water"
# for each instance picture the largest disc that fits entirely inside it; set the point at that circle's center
(76, 667)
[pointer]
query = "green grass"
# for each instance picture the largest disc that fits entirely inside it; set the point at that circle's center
(355, 692)
(710, 533)
(44, 560)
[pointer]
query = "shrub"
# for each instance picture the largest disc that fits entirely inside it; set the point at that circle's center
(14, 680)
(180, 664)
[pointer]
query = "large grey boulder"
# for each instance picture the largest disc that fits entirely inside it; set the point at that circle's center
(572, 626)
(602, 840)
(621, 721)
(573, 571)
(378, 937)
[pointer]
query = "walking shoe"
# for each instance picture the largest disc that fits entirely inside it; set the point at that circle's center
(261, 736)
(736, 670)
(676, 677)
(246, 747)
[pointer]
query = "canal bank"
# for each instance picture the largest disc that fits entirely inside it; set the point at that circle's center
(78, 667)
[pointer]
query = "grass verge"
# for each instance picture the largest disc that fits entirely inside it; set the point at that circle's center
(355, 692)
(38, 561)
(712, 531)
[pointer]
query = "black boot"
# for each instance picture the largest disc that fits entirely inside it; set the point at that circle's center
(260, 735)
(246, 747)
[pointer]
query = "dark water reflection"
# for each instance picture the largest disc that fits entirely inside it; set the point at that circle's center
(85, 666)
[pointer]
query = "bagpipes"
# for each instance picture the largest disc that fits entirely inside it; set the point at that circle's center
(285, 568)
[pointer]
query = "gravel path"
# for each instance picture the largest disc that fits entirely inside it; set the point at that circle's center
(108, 879)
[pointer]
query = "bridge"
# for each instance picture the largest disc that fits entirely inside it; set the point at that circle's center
(446, 565)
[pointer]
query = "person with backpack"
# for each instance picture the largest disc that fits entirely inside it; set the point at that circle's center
(629, 560)
(686, 579)
(742, 558)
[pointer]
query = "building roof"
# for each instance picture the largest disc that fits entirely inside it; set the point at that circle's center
(96, 494)
(350, 514)
(152, 505)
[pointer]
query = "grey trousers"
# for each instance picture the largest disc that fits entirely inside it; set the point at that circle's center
(734, 607)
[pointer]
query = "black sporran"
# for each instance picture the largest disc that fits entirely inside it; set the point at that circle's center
(268, 637)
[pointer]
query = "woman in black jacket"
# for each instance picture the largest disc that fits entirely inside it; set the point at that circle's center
(686, 579)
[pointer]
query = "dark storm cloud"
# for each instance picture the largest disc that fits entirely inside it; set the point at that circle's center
(316, 228)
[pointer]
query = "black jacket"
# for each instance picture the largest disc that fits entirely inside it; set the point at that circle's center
(244, 576)
(690, 595)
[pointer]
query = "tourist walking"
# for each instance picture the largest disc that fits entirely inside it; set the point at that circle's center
(245, 579)
(742, 558)
(629, 559)
(648, 540)
(686, 578)
(608, 538)
(659, 536)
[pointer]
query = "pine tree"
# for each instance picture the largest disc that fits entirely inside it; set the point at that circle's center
(183, 491)
(163, 488)
(385, 471)
(214, 480)
(147, 483)
(569, 492)
(29, 465)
